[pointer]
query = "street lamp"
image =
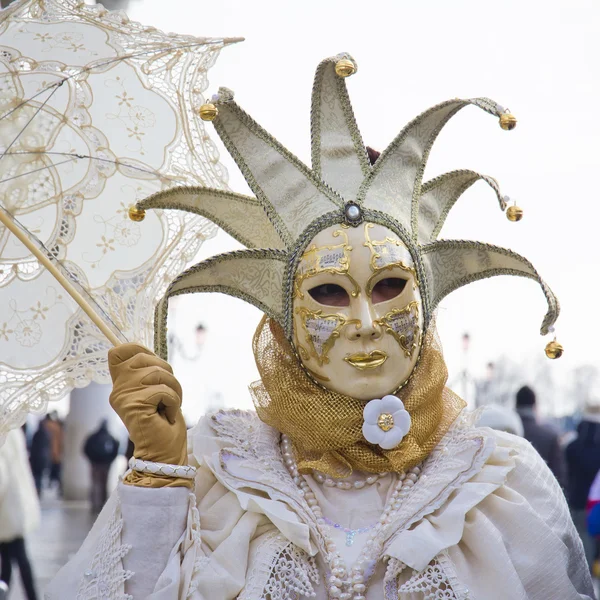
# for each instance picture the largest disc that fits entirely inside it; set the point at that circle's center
(464, 382)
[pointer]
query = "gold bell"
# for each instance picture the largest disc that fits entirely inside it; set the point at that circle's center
(136, 214)
(554, 349)
(345, 67)
(508, 121)
(208, 112)
(514, 213)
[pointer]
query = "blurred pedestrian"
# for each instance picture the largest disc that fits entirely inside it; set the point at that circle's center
(101, 449)
(583, 463)
(40, 455)
(19, 510)
(54, 426)
(544, 438)
(593, 508)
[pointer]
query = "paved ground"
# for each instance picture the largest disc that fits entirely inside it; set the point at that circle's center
(64, 527)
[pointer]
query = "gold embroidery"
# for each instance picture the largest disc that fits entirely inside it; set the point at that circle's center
(384, 256)
(322, 331)
(403, 325)
(316, 375)
(302, 351)
(334, 259)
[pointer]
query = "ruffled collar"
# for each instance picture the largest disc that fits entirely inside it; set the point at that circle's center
(243, 453)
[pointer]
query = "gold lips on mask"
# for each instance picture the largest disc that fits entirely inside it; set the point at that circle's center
(363, 360)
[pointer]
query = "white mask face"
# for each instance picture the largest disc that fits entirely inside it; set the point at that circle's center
(357, 310)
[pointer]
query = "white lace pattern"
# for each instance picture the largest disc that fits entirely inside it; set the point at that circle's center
(105, 577)
(432, 583)
(196, 538)
(113, 118)
(283, 572)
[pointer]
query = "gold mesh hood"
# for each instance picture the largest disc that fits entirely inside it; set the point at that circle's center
(326, 427)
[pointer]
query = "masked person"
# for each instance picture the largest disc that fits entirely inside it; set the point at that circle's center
(359, 476)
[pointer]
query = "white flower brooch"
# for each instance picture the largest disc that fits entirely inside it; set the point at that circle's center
(386, 422)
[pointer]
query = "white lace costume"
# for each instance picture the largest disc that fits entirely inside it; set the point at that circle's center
(485, 521)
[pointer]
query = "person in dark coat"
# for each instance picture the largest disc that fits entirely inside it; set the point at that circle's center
(101, 449)
(40, 455)
(55, 428)
(583, 462)
(542, 437)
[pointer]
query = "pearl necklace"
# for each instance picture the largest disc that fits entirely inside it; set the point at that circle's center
(357, 484)
(340, 585)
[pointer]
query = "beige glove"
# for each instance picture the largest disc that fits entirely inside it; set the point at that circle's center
(147, 397)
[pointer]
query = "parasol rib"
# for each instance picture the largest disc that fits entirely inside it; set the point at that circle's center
(10, 224)
(91, 67)
(64, 122)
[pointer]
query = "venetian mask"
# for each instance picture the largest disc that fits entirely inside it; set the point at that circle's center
(357, 302)
(357, 310)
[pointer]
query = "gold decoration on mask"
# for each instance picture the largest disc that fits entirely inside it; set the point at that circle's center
(315, 260)
(345, 68)
(208, 112)
(387, 323)
(554, 349)
(508, 121)
(326, 427)
(136, 214)
(315, 375)
(302, 351)
(379, 249)
(363, 361)
(331, 325)
(514, 213)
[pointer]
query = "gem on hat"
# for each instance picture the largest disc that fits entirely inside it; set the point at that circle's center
(353, 213)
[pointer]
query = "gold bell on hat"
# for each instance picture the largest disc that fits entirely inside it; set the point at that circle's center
(554, 349)
(208, 112)
(136, 214)
(514, 213)
(508, 121)
(345, 67)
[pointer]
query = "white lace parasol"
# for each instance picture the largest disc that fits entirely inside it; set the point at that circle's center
(96, 113)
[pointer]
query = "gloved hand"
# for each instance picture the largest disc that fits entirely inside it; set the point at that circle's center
(147, 397)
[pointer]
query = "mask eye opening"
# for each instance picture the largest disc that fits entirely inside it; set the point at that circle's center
(330, 294)
(388, 289)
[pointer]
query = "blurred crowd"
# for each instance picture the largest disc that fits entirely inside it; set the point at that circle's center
(31, 467)
(573, 458)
